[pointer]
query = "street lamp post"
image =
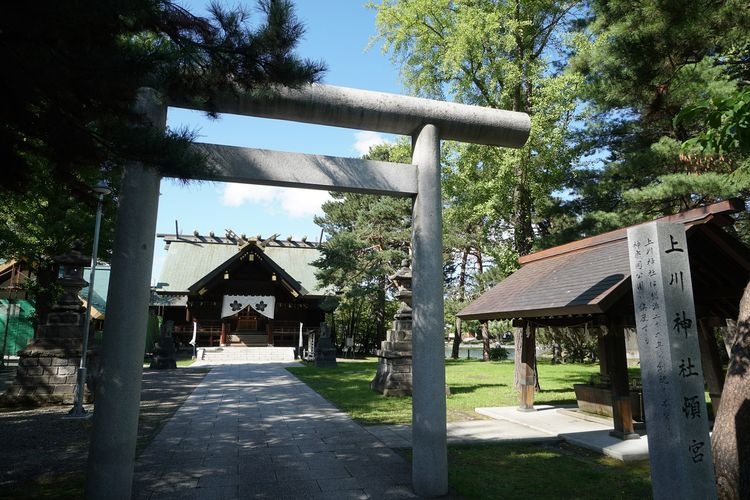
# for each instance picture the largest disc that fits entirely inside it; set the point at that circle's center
(78, 411)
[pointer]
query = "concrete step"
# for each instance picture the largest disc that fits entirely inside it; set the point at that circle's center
(236, 354)
(248, 340)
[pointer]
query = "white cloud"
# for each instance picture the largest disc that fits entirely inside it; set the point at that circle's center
(292, 202)
(365, 140)
(236, 195)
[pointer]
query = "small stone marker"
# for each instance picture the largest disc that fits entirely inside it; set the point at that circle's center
(164, 356)
(325, 352)
(676, 417)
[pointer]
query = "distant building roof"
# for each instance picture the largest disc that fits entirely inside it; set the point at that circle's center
(190, 259)
(589, 276)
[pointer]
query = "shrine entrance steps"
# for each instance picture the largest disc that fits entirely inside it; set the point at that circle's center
(239, 355)
(248, 339)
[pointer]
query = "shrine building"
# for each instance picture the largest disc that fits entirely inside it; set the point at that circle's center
(586, 285)
(239, 291)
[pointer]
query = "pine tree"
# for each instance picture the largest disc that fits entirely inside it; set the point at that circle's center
(74, 69)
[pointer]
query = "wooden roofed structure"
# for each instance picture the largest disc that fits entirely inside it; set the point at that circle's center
(587, 282)
(238, 290)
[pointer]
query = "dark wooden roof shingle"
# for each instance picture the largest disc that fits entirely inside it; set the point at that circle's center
(579, 278)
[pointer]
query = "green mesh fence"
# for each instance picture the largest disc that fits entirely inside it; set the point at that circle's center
(16, 329)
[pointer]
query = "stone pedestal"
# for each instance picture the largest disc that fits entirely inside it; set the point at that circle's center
(48, 366)
(394, 375)
(46, 374)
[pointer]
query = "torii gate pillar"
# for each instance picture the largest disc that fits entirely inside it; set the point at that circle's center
(109, 472)
(429, 446)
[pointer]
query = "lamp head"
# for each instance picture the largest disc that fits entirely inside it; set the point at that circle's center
(101, 188)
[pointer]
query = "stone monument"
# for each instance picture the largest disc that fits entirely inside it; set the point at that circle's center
(164, 356)
(393, 377)
(679, 445)
(325, 352)
(48, 366)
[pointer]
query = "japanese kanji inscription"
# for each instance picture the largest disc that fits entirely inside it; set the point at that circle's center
(676, 417)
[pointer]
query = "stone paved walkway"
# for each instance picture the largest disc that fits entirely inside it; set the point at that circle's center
(255, 431)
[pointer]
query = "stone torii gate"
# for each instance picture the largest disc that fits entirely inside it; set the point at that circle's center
(112, 449)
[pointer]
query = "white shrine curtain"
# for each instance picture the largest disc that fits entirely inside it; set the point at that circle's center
(232, 304)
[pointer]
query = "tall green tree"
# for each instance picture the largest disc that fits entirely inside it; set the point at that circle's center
(726, 135)
(368, 237)
(502, 54)
(498, 54)
(644, 63)
(75, 69)
(477, 247)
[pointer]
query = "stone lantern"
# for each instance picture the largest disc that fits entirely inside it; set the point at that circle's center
(393, 377)
(67, 316)
(47, 367)
(402, 280)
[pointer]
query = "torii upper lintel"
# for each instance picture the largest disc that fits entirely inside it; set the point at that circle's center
(377, 112)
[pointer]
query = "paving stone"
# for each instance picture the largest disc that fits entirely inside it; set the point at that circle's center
(219, 479)
(257, 474)
(335, 484)
(390, 493)
(332, 495)
(279, 489)
(239, 435)
(364, 470)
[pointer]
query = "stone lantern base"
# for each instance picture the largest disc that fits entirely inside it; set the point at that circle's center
(393, 377)
(47, 373)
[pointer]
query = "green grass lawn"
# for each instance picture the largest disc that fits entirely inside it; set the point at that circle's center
(494, 470)
(472, 383)
(528, 470)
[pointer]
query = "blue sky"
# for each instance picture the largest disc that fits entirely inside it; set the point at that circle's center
(337, 32)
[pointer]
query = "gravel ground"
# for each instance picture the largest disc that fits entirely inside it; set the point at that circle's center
(38, 445)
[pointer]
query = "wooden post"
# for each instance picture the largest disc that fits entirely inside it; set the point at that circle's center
(223, 334)
(713, 373)
(528, 362)
(622, 412)
(602, 352)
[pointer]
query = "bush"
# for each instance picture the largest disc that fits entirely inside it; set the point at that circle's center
(498, 353)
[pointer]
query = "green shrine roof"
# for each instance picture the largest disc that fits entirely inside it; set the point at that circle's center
(190, 259)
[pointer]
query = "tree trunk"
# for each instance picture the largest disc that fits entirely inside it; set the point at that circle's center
(523, 232)
(484, 325)
(554, 335)
(456, 339)
(730, 442)
(380, 319)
